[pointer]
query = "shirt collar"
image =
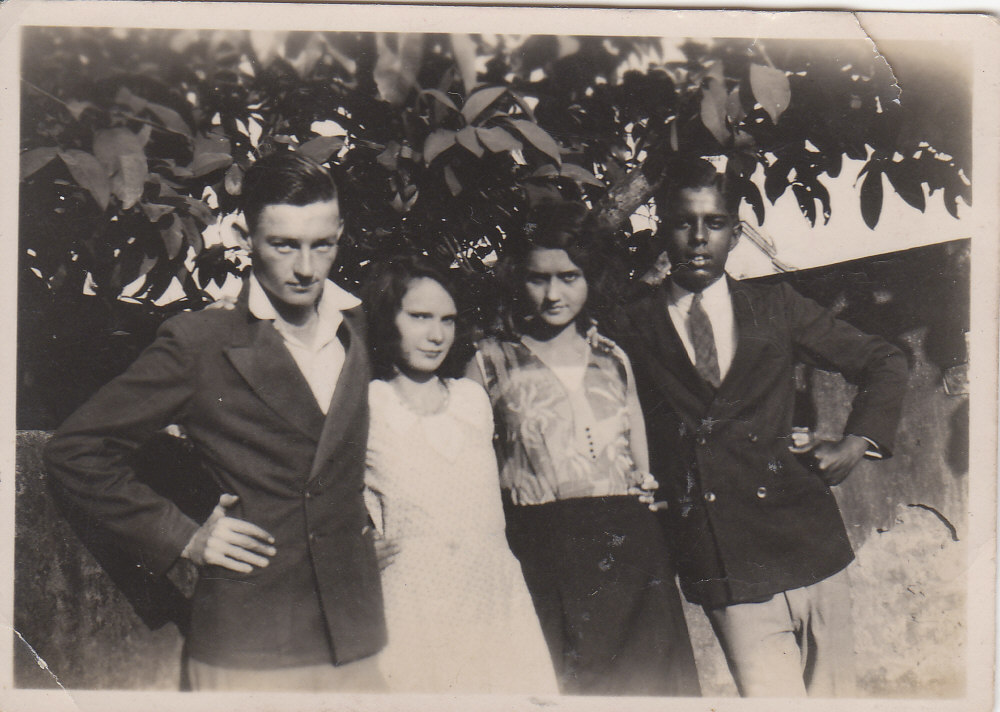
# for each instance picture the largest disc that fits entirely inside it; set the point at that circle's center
(715, 293)
(332, 303)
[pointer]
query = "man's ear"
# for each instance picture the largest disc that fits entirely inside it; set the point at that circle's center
(737, 231)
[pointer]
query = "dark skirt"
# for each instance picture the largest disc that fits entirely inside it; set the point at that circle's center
(603, 587)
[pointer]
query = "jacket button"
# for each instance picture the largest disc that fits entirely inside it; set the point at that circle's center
(761, 492)
(752, 437)
(701, 440)
(709, 496)
(312, 537)
(309, 495)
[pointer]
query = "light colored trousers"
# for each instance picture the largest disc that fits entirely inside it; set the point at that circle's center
(361, 676)
(796, 644)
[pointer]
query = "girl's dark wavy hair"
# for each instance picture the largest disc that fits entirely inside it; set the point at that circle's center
(552, 225)
(383, 298)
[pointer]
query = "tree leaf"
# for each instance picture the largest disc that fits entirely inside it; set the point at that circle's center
(525, 106)
(907, 184)
(752, 194)
(321, 148)
(871, 197)
(776, 179)
(170, 119)
(568, 170)
(76, 108)
(205, 163)
(395, 73)
(128, 182)
(438, 142)
(479, 101)
(468, 140)
(441, 97)
(713, 110)
(155, 211)
(89, 173)
(820, 192)
(539, 138)
(173, 237)
(806, 203)
(212, 143)
(37, 158)
(191, 234)
(268, 44)
(734, 107)
(127, 98)
(199, 210)
(464, 50)
(497, 139)
(234, 179)
(771, 88)
(454, 185)
(110, 144)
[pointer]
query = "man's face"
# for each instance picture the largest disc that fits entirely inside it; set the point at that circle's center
(293, 248)
(700, 234)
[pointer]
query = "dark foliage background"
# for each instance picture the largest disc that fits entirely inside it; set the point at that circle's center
(135, 141)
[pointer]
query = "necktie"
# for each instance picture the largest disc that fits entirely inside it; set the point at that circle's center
(706, 359)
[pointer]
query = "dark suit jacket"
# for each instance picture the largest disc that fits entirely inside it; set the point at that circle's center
(747, 519)
(228, 379)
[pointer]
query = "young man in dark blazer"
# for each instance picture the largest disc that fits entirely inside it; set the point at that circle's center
(273, 394)
(759, 540)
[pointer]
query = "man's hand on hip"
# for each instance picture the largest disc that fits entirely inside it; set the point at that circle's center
(836, 459)
(229, 542)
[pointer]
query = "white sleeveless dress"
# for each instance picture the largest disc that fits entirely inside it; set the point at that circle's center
(459, 615)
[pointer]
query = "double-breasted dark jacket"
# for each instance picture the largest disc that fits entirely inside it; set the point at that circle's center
(230, 382)
(745, 517)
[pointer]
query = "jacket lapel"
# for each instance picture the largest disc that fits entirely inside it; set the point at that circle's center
(269, 369)
(751, 337)
(351, 393)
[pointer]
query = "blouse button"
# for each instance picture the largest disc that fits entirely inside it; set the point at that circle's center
(710, 496)
(752, 437)
(761, 492)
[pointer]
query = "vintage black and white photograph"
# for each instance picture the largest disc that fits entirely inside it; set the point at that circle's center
(385, 356)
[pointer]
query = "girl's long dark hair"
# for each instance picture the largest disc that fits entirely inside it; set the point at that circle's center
(383, 298)
(551, 225)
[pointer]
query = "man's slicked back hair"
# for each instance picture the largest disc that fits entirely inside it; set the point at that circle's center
(284, 178)
(692, 173)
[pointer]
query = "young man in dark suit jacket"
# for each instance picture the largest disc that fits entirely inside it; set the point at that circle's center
(759, 540)
(273, 394)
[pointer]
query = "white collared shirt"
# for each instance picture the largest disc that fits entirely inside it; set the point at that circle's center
(719, 307)
(321, 361)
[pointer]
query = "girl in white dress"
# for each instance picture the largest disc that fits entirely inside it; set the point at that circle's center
(459, 615)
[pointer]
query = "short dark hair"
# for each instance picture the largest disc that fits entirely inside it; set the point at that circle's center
(383, 298)
(551, 225)
(284, 178)
(692, 174)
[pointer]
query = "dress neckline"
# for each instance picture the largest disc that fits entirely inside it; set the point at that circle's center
(420, 413)
(577, 371)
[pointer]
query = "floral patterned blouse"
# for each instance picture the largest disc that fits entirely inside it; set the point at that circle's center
(558, 437)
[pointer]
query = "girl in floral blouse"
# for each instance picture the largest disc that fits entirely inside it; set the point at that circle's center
(572, 451)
